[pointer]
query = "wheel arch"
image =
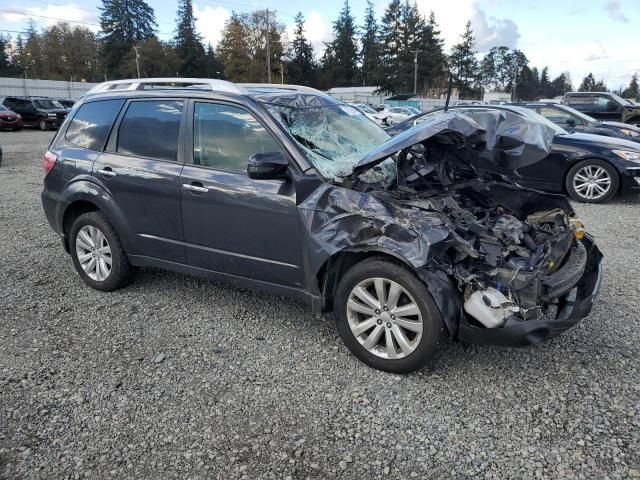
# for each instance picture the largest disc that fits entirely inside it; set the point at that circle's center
(329, 274)
(635, 120)
(85, 196)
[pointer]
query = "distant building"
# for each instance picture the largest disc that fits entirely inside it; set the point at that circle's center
(496, 97)
(358, 94)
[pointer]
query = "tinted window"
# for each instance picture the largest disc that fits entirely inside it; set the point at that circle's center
(150, 129)
(225, 137)
(555, 115)
(91, 124)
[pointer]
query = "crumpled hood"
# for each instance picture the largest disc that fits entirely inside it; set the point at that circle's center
(523, 141)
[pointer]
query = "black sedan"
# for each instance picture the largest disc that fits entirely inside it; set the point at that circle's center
(590, 168)
(574, 121)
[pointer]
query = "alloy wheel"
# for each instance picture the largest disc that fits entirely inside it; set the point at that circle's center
(592, 182)
(94, 253)
(384, 318)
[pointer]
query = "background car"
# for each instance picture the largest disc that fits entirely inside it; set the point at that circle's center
(574, 121)
(66, 102)
(10, 119)
(400, 114)
(41, 112)
(604, 106)
(590, 168)
(379, 117)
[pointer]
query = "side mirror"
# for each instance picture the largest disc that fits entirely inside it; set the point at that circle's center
(267, 166)
(571, 122)
(612, 106)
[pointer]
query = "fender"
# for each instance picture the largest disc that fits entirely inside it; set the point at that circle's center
(85, 189)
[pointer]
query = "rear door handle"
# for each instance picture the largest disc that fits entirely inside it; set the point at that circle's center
(107, 172)
(195, 188)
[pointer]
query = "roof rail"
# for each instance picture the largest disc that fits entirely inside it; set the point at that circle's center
(279, 86)
(141, 83)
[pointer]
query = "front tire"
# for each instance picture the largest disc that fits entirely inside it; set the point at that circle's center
(592, 181)
(97, 253)
(386, 316)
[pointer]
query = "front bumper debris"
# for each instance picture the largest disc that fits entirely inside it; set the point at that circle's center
(574, 304)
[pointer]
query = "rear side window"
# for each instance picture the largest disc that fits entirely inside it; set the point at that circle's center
(582, 100)
(150, 129)
(92, 122)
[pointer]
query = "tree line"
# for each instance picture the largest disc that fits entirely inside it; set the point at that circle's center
(400, 53)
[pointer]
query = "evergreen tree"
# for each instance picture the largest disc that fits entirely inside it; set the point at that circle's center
(432, 60)
(301, 65)
(123, 23)
(370, 53)
(188, 43)
(545, 83)
(588, 84)
(561, 85)
(6, 67)
(341, 56)
(157, 59)
(633, 90)
(600, 86)
(391, 32)
(464, 65)
(233, 49)
(214, 67)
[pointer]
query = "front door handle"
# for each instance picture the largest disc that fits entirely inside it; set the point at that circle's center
(107, 172)
(195, 187)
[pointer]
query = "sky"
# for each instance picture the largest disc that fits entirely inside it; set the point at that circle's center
(598, 36)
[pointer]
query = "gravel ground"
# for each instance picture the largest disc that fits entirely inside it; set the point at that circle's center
(176, 377)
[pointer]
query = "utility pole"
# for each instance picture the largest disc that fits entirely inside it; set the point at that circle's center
(415, 70)
(135, 47)
(268, 52)
(281, 73)
(515, 79)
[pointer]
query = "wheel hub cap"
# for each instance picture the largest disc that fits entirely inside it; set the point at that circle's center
(592, 182)
(384, 318)
(94, 253)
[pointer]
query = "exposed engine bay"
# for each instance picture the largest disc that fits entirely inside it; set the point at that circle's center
(501, 252)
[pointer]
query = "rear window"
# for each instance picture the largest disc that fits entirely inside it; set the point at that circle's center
(150, 129)
(91, 124)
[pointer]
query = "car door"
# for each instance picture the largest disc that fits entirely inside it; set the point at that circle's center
(584, 104)
(141, 168)
(607, 108)
(234, 224)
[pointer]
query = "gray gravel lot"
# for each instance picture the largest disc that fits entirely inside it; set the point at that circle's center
(177, 377)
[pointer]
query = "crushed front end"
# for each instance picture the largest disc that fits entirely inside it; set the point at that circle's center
(505, 264)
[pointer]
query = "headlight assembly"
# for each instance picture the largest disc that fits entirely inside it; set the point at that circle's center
(627, 155)
(630, 133)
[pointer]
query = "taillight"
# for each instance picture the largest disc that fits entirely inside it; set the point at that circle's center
(48, 162)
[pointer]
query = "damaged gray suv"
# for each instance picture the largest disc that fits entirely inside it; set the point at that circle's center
(286, 190)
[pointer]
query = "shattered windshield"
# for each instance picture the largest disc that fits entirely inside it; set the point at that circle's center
(333, 136)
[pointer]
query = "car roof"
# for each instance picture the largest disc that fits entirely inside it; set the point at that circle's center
(190, 87)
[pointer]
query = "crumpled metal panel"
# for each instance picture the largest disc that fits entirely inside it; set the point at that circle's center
(339, 218)
(511, 138)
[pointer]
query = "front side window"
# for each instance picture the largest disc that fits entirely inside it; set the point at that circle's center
(556, 115)
(91, 124)
(150, 129)
(225, 137)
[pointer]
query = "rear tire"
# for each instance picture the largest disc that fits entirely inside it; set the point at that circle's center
(97, 253)
(43, 125)
(592, 181)
(409, 321)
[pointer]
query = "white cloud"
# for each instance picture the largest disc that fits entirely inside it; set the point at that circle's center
(615, 12)
(317, 30)
(452, 15)
(210, 22)
(52, 14)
